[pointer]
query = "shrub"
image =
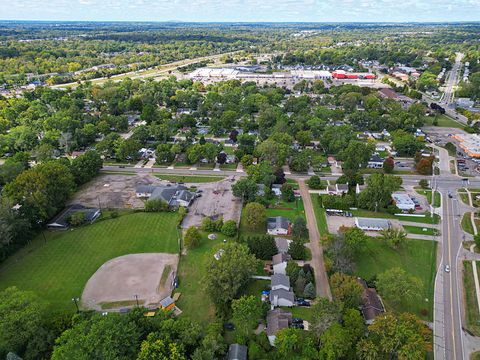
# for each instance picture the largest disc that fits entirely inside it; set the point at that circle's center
(309, 291)
(297, 250)
(192, 237)
(315, 183)
(255, 215)
(229, 228)
(155, 205)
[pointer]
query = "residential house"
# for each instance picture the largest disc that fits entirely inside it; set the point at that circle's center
(282, 244)
(237, 352)
(337, 189)
(277, 320)
(375, 162)
(372, 224)
(279, 263)
(278, 225)
(282, 297)
(280, 281)
(174, 196)
(372, 304)
(62, 220)
(276, 189)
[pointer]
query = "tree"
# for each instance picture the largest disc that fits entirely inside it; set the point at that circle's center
(424, 165)
(395, 285)
(378, 193)
(228, 275)
(297, 250)
(336, 342)
(388, 165)
(324, 314)
(156, 347)
(77, 219)
(21, 317)
(356, 156)
(229, 228)
(273, 152)
(255, 216)
(405, 144)
(393, 237)
(423, 183)
(262, 246)
(246, 312)
(106, 337)
(192, 237)
(85, 167)
(287, 192)
(315, 183)
(396, 337)
(246, 160)
(246, 189)
(164, 154)
(222, 158)
(300, 161)
(347, 289)
(127, 149)
(295, 344)
(299, 229)
(304, 137)
(309, 291)
(355, 238)
(156, 205)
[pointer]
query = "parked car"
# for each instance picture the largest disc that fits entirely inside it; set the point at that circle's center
(297, 326)
(297, 321)
(229, 326)
(303, 302)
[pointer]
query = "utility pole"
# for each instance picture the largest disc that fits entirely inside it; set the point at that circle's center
(136, 298)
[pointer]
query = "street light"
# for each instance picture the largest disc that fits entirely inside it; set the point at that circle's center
(76, 300)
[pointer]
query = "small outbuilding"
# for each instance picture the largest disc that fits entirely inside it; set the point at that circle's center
(372, 224)
(167, 303)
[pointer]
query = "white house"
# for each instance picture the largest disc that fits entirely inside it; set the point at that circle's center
(282, 297)
(278, 225)
(375, 162)
(279, 263)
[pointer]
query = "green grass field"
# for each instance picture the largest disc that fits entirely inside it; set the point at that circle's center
(472, 314)
(58, 270)
(190, 178)
(443, 121)
(319, 215)
(467, 223)
(464, 197)
(416, 257)
(428, 219)
(194, 301)
(420, 230)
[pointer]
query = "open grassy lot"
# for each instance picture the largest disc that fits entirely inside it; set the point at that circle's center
(420, 230)
(416, 257)
(472, 314)
(464, 197)
(190, 178)
(319, 215)
(194, 301)
(428, 195)
(428, 219)
(467, 223)
(443, 121)
(59, 269)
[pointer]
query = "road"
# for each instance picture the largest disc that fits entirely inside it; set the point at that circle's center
(321, 279)
(451, 81)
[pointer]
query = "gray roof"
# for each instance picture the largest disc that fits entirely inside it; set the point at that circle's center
(282, 294)
(145, 189)
(237, 352)
(166, 302)
(169, 194)
(282, 244)
(280, 279)
(376, 159)
(277, 320)
(278, 222)
(61, 220)
(373, 223)
(279, 258)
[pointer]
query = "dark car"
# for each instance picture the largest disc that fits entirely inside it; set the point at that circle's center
(303, 302)
(297, 326)
(297, 321)
(229, 326)
(450, 195)
(122, 166)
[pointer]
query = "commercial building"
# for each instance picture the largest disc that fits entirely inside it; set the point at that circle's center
(470, 143)
(403, 202)
(372, 224)
(342, 74)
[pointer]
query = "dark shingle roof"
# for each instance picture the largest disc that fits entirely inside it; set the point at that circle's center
(280, 279)
(277, 320)
(278, 222)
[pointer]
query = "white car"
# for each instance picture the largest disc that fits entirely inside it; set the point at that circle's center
(447, 268)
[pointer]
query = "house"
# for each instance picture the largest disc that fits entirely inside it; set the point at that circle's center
(280, 281)
(279, 263)
(167, 303)
(260, 190)
(375, 162)
(277, 320)
(174, 196)
(276, 189)
(282, 297)
(62, 220)
(372, 224)
(372, 304)
(278, 225)
(282, 244)
(337, 189)
(237, 352)
(403, 202)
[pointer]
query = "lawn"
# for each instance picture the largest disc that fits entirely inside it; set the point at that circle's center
(194, 301)
(472, 315)
(420, 230)
(319, 215)
(190, 178)
(467, 223)
(464, 197)
(59, 269)
(416, 257)
(443, 121)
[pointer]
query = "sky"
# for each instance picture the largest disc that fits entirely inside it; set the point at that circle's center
(243, 10)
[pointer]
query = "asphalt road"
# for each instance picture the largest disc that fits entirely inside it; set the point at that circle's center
(452, 80)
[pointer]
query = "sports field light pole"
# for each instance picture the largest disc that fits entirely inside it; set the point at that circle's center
(76, 300)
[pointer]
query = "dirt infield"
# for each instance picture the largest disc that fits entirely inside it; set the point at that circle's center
(115, 283)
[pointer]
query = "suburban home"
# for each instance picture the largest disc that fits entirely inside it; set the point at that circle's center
(403, 202)
(282, 297)
(237, 352)
(278, 225)
(276, 189)
(280, 281)
(372, 224)
(375, 162)
(62, 220)
(279, 263)
(277, 320)
(282, 244)
(372, 304)
(174, 196)
(337, 189)
(167, 303)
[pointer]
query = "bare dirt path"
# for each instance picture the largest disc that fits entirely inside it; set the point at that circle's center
(321, 279)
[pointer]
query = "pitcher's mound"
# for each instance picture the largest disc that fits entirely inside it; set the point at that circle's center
(115, 284)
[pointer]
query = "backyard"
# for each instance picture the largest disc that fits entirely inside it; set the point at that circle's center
(416, 257)
(59, 268)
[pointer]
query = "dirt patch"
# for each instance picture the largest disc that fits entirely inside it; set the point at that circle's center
(120, 279)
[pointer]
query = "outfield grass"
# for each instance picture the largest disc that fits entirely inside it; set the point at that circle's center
(416, 257)
(190, 178)
(467, 223)
(420, 230)
(194, 301)
(59, 269)
(472, 314)
(320, 215)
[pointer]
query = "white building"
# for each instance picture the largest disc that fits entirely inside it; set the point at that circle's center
(372, 224)
(403, 202)
(279, 263)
